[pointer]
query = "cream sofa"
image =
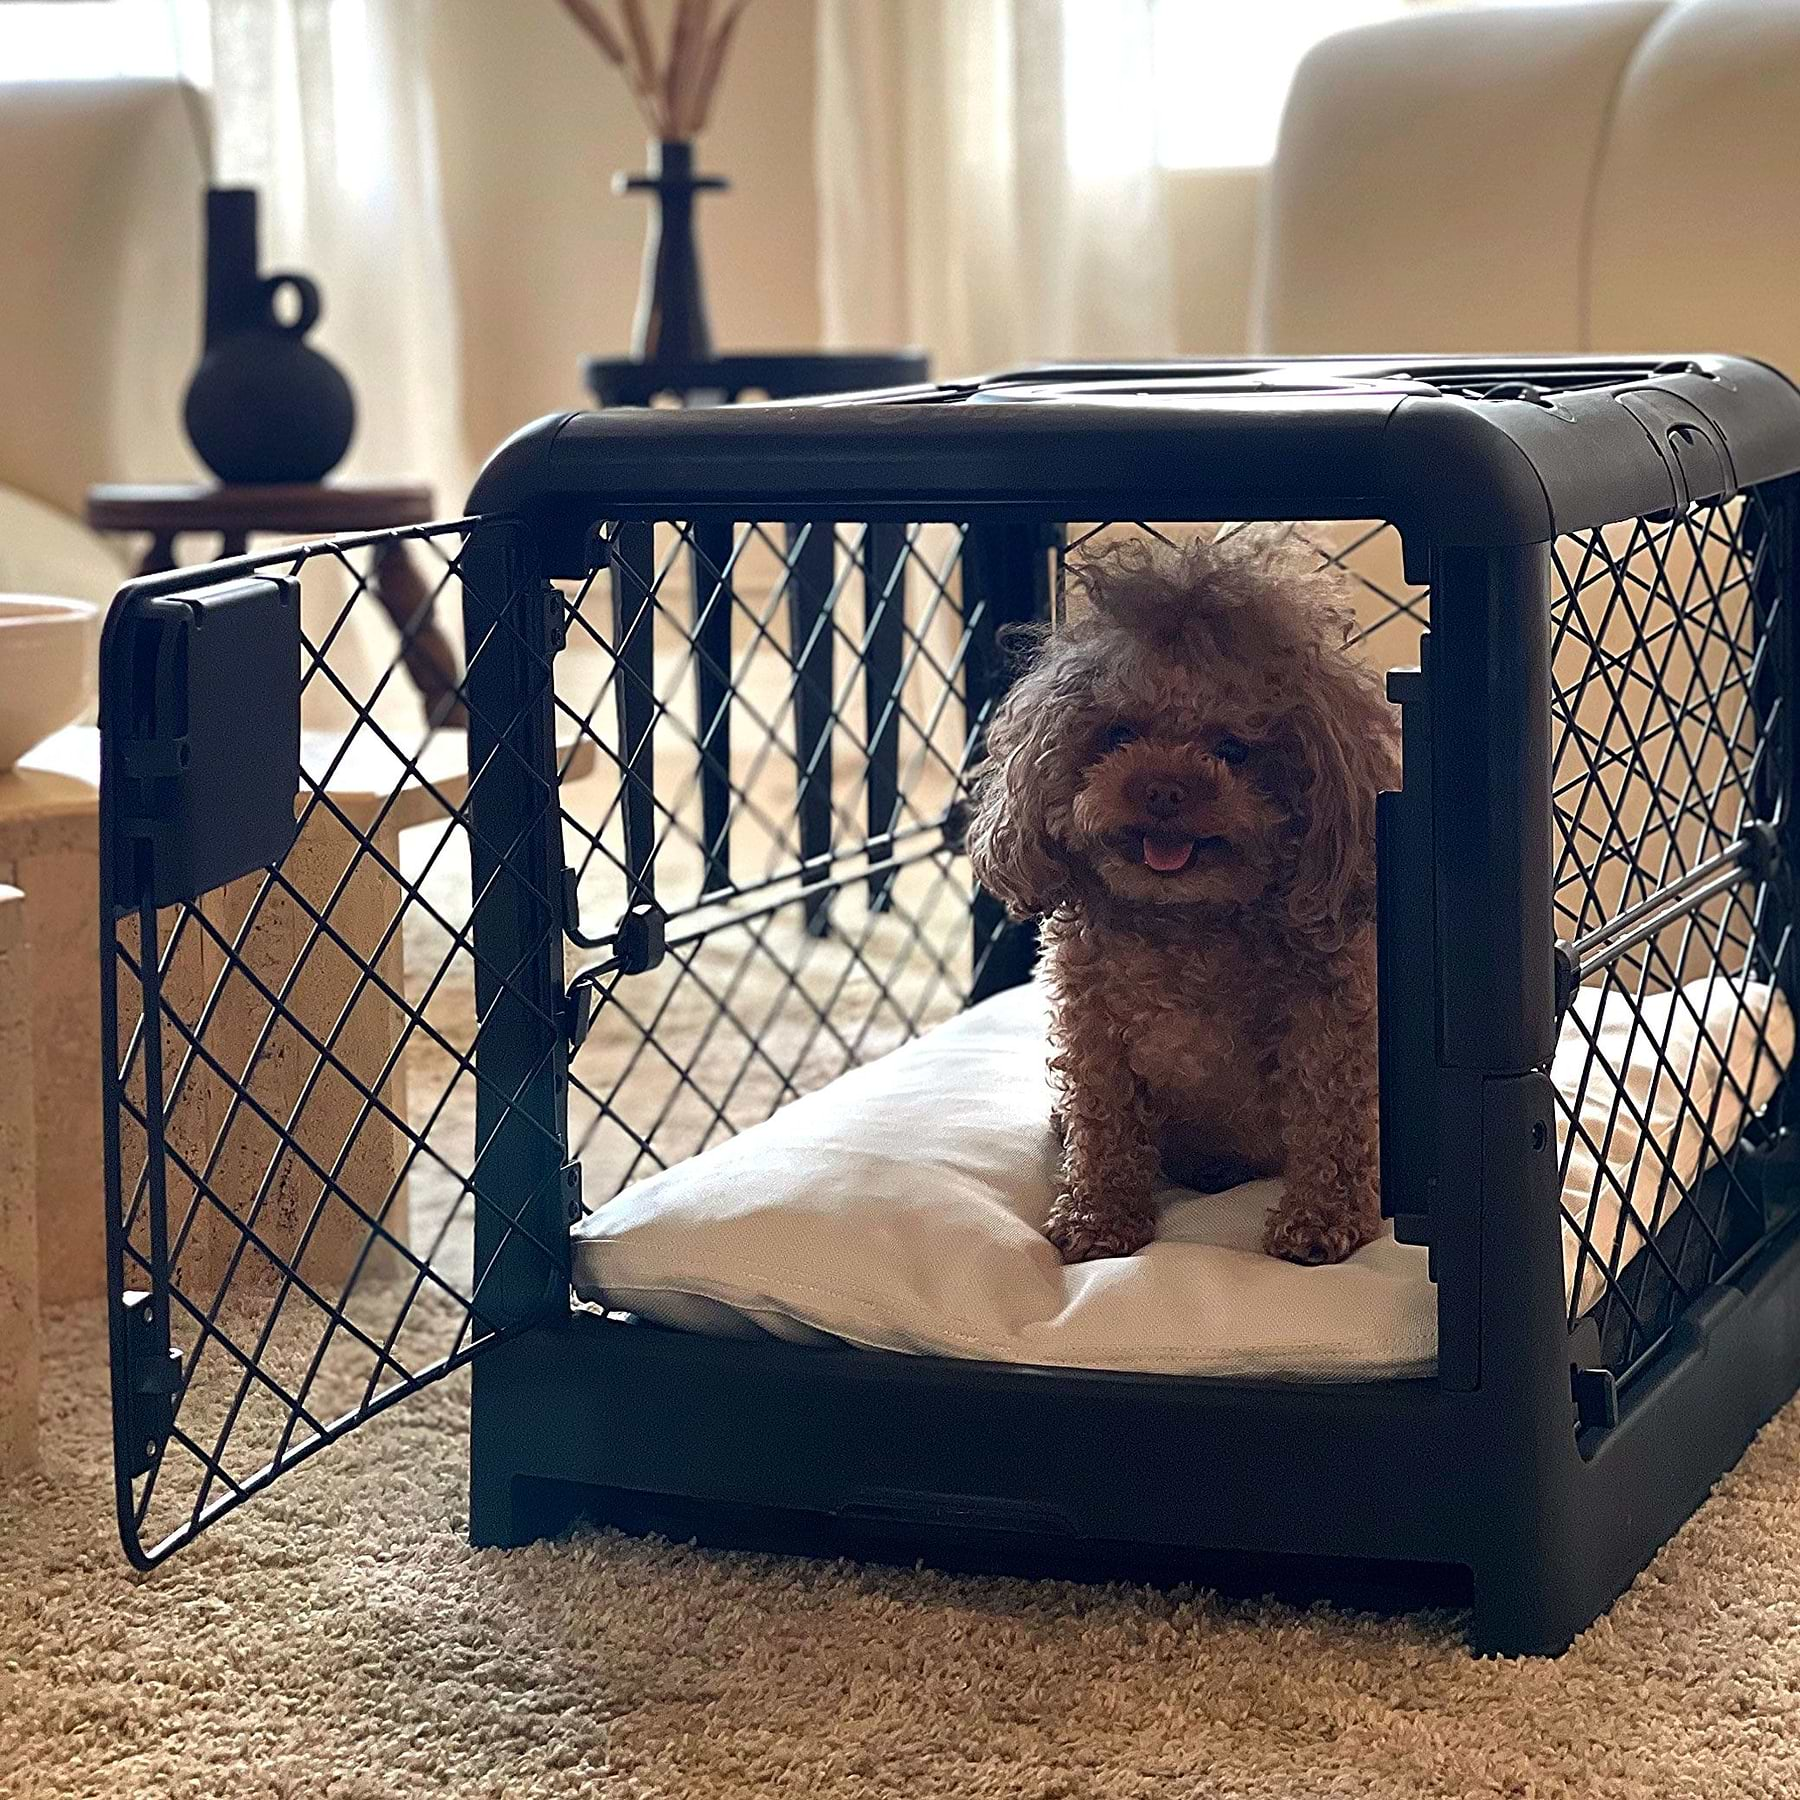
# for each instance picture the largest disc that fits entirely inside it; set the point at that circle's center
(1617, 176)
(100, 188)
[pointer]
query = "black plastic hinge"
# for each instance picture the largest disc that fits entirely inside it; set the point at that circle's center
(152, 1380)
(1408, 687)
(1592, 1387)
(578, 1014)
(1762, 849)
(556, 617)
(573, 1210)
(642, 938)
(1596, 1396)
(155, 759)
(638, 946)
(571, 903)
(1568, 979)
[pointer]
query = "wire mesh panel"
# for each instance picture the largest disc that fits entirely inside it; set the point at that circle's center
(1389, 613)
(297, 1114)
(779, 719)
(1671, 745)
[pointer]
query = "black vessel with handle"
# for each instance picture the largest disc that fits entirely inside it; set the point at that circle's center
(263, 406)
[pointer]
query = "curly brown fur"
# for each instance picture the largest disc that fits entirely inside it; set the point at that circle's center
(1183, 788)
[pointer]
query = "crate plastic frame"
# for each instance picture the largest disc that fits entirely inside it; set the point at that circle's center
(1521, 1471)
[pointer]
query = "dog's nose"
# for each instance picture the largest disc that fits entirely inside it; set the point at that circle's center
(1164, 798)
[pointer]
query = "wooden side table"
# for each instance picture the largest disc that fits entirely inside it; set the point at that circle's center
(171, 510)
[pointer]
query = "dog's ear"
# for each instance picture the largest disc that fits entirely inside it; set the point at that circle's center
(1029, 763)
(1346, 738)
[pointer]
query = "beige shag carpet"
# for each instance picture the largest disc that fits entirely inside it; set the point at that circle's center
(338, 1640)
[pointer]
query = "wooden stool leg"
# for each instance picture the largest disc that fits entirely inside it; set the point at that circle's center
(159, 559)
(424, 649)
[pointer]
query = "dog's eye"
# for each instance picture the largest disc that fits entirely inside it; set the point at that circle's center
(1118, 735)
(1233, 750)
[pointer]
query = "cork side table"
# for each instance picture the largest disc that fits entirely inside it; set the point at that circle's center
(168, 511)
(19, 1340)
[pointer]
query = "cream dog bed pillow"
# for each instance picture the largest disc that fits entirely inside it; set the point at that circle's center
(902, 1208)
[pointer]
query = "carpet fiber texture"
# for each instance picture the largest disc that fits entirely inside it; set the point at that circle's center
(339, 1640)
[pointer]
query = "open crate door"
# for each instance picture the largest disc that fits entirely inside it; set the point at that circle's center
(320, 1197)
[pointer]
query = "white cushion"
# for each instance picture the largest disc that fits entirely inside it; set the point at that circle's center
(901, 1208)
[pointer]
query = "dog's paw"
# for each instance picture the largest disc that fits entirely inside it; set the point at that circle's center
(1314, 1235)
(1084, 1234)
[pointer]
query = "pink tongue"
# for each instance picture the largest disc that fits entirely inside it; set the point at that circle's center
(1166, 854)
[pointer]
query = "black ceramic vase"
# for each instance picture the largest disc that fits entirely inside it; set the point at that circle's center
(671, 326)
(263, 406)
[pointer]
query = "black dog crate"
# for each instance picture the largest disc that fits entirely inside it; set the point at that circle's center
(699, 850)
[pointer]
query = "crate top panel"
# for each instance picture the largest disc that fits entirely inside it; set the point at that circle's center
(1453, 450)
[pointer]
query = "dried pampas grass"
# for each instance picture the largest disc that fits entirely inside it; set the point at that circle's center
(674, 94)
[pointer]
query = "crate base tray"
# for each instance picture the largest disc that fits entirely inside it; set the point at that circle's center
(1137, 1476)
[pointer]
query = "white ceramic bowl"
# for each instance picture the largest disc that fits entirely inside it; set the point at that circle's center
(46, 668)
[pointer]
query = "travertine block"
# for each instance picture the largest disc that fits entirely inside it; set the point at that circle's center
(19, 1340)
(48, 837)
(255, 1081)
(293, 1112)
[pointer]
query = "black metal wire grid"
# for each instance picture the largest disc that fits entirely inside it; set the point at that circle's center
(294, 1177)
(778, 722)
(1674, 909)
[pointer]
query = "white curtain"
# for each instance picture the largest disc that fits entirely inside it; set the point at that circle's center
(988, 181)
(325, 106)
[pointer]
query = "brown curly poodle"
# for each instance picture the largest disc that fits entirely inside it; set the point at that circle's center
(1183, 788)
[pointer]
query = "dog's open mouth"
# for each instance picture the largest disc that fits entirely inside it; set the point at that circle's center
(1169, 852)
